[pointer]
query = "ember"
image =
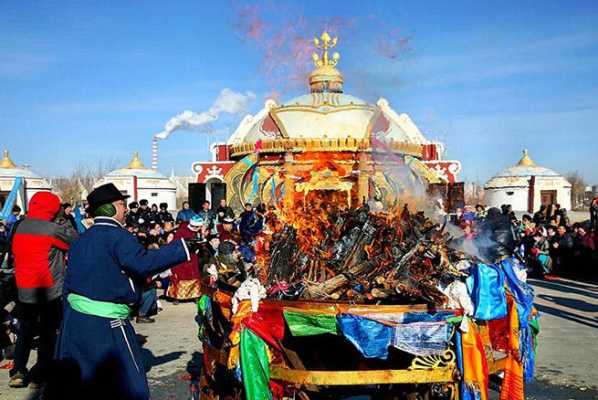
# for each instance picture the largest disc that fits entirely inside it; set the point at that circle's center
(356, 255)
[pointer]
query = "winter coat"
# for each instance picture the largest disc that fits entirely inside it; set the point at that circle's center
(496, 238)
(165, 216)
(226, 211)
(208, 216)
(184, 215)
(102, 354)
(251, 224)
(539, 218)
(38, 246)
(132, 218)
(564, 218)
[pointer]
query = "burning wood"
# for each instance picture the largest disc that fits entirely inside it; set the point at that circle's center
(360, 256)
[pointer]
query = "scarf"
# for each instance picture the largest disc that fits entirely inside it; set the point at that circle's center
(475, 365)
(512, 385)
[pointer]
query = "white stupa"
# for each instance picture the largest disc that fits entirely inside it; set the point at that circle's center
(526, 186)
(33, 183)
(142, 183)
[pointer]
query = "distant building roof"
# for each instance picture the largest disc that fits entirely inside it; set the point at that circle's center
(8, 169)
(136, 168)
(519, 174)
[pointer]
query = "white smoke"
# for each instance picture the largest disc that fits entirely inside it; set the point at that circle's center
(228, 101)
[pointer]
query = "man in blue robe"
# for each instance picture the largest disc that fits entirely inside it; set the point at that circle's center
(97, 353)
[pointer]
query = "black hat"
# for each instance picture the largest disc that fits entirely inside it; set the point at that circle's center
(133, 204)
(103, 195)
(143, 202)
(163, 206)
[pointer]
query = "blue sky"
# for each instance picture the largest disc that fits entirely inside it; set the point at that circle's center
(89, 82)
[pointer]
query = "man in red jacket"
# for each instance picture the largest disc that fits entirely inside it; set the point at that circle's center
(39, 247)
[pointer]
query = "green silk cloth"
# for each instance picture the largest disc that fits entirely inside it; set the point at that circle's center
(98, 308)
(203, 314)
(255, 366)
(308, 324)
(534, 323)
(203, 304)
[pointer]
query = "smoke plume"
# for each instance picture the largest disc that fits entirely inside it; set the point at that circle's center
(393, 45)
(406, 185)
(228, 101)
(284, 38)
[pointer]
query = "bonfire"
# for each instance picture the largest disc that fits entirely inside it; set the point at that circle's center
(327, 253)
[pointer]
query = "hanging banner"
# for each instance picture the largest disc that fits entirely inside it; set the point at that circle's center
(12, 198)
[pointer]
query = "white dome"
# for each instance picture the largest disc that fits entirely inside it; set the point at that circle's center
(138, 172)
(327, 115)
(18, 171)
(140, 183)
(520, 174)
(8, 169)
(147, 180)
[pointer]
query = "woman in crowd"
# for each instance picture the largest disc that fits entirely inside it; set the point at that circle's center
(185, 280)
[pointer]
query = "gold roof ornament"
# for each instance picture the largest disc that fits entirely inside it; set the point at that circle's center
(6, 162)
(526, 161)
(325, 77)
(136, 162)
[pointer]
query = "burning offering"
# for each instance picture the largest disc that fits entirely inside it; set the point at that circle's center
(363, 257)
(341, 297)
(342, 287)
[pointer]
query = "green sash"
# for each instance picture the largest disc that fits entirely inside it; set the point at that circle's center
(102, 309)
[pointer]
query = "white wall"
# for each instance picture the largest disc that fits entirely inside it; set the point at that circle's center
(519, 198)
(562, 187)
(163, 196)
(124, 184)
(32, 186)
(498, 197)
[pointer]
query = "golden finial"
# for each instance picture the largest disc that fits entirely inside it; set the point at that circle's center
(325, 78)
(326, 43)
(6, 162)
(526, 161)
(136, 162)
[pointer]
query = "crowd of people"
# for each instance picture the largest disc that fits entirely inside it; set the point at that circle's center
(216, 242)
(547, 240)
(221, 236)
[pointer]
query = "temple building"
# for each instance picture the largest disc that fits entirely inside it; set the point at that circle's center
(142, 183)
(526, 186)
(29, 182)
(322, 142)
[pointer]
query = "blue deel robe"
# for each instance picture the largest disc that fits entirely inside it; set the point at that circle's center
(101, 357)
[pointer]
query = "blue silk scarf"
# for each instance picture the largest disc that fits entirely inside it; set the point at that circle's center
(370, 337)
(487, 289)
(422, 338)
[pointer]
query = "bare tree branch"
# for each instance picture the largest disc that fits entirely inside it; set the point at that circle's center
(578, 189)
(73, 188)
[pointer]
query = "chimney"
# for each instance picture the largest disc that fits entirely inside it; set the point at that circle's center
(155, 153)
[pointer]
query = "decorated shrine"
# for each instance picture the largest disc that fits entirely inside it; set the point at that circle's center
(322, 142)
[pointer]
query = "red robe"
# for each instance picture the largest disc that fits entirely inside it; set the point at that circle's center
(185, 279)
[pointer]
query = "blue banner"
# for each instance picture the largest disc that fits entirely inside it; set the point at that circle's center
(12, 198)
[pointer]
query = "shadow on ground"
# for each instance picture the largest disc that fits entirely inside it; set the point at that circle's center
(566, 287)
